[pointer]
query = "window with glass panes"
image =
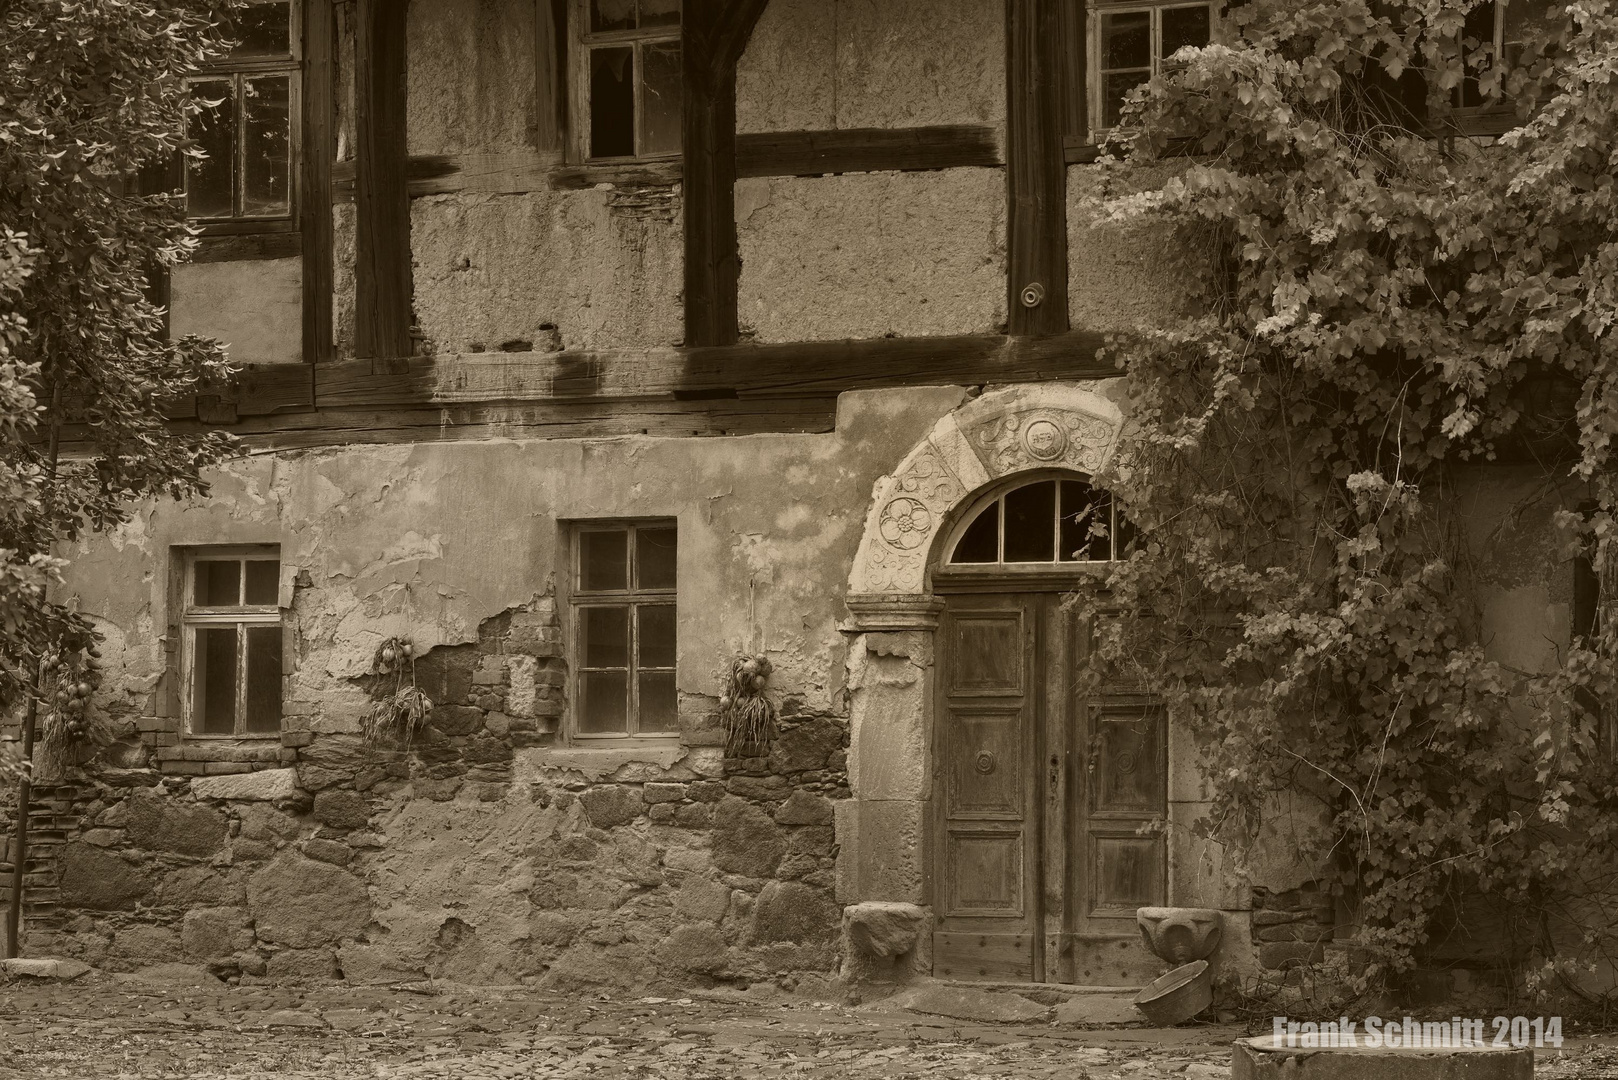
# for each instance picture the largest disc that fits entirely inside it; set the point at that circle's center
(245, 120)
(626, 60)
(623, 629)
(231, 648)
(1045, 521)
(1130, 42)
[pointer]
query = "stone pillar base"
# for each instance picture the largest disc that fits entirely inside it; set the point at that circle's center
(883, 941)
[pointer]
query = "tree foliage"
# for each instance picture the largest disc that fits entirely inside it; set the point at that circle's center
(1398, 304)
(91, 93)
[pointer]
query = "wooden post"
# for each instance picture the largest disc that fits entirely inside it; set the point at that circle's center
(382, 202)
(314, 218)
(713, 35)
(1036, 176)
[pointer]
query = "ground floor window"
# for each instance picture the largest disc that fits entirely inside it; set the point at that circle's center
(231, 641)
(624, 617)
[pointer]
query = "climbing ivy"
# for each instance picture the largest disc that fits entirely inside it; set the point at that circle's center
(1396, 304)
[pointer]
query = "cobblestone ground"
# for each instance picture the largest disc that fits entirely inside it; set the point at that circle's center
(114, 1029)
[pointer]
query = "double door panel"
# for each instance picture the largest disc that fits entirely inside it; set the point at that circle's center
(1042, 799)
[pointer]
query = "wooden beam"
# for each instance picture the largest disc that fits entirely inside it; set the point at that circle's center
(550, 74)
(1036, 177)
(812, 153)
(714, 374)
(713, 34)
(319, 144)
(382, 219)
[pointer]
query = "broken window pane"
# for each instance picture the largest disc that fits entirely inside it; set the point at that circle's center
(219, 584)
(660, 12)
(267, 149)
(660, 98)
(659, 702)
(612, 102)
(981, 541)
(263, 678)
(603, 702)
(1031, 523)
(263, 582)
(1477, 49)
(213, 688)
(604, 637)
(656, 640)
(1115, 88)
(1183, 26)
(209, 181)
(1085, 525)
(603, 560)
(263, 30)
(655, 554)
(606, 15)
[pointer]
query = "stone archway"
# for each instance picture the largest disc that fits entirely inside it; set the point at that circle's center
(882, 831)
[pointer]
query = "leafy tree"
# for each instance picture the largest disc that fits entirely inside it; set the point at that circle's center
(1395, 303)
(91, 93)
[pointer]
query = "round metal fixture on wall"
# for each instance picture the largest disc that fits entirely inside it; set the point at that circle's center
(1033, 295)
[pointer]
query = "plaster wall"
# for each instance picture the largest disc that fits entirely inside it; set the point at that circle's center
(872, 254)
(471, 76)
(599, 268)
(1124, 275)
(818, 64)
(254, 308)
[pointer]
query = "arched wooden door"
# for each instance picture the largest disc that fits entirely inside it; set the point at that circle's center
(1046, 803)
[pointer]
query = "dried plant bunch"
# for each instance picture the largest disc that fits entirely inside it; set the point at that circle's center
(73, 728)
(401, 708)
(748, 714)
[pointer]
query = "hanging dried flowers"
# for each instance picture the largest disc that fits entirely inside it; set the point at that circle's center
(400, 709)
(748, 715)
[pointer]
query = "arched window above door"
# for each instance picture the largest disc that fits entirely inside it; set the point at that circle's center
(1042, 522)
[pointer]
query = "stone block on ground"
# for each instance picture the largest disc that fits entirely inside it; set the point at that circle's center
(1259, 1059)
(1086, 1009)
(962, 1003)
(43, 968)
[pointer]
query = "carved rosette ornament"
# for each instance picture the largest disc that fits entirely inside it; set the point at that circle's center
(906, 524)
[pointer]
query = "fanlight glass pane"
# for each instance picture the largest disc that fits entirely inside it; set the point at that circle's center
(263, 29)
(1047, 521)
(219, 584)
(603, 561)
(1031, 523)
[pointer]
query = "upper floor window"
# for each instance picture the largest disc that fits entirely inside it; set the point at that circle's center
(1046, 521)
(626, 78)
(624, 611)
(231, 647)
(1131, 42)
(247, 120)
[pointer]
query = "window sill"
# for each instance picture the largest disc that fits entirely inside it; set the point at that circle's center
(243, 247)
(603, 762)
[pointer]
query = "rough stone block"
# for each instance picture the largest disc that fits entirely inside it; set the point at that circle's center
(693, 948)
(790, 911)
(94, 879)
(662, 793)
(456, 719)
(806, 746)
(267, 785)
(342, 809)
(302, 964)
(759, 788)
(805, 808)
(707, 791)
(881, 856)
(302, 903)
(210, 933)
(662, 813)
(328, 851)
(693, 816)
(702, 900)
(612, 804)
(745, 840)
(146, 944)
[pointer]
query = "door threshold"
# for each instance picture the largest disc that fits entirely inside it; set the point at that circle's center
(1023, 987)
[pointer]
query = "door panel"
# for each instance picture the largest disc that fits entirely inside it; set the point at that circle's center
(1043, 796)
(984, 740)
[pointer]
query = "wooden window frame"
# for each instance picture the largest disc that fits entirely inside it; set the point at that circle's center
(1095, 128)
(580, 41)
(194, 616)
(580, 599)
(290, 65)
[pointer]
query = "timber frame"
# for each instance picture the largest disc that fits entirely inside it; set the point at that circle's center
(711, 385)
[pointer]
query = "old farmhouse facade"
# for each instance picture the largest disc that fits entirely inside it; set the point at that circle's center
(592, 345)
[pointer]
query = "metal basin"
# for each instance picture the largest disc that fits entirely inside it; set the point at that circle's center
(1177, 996)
